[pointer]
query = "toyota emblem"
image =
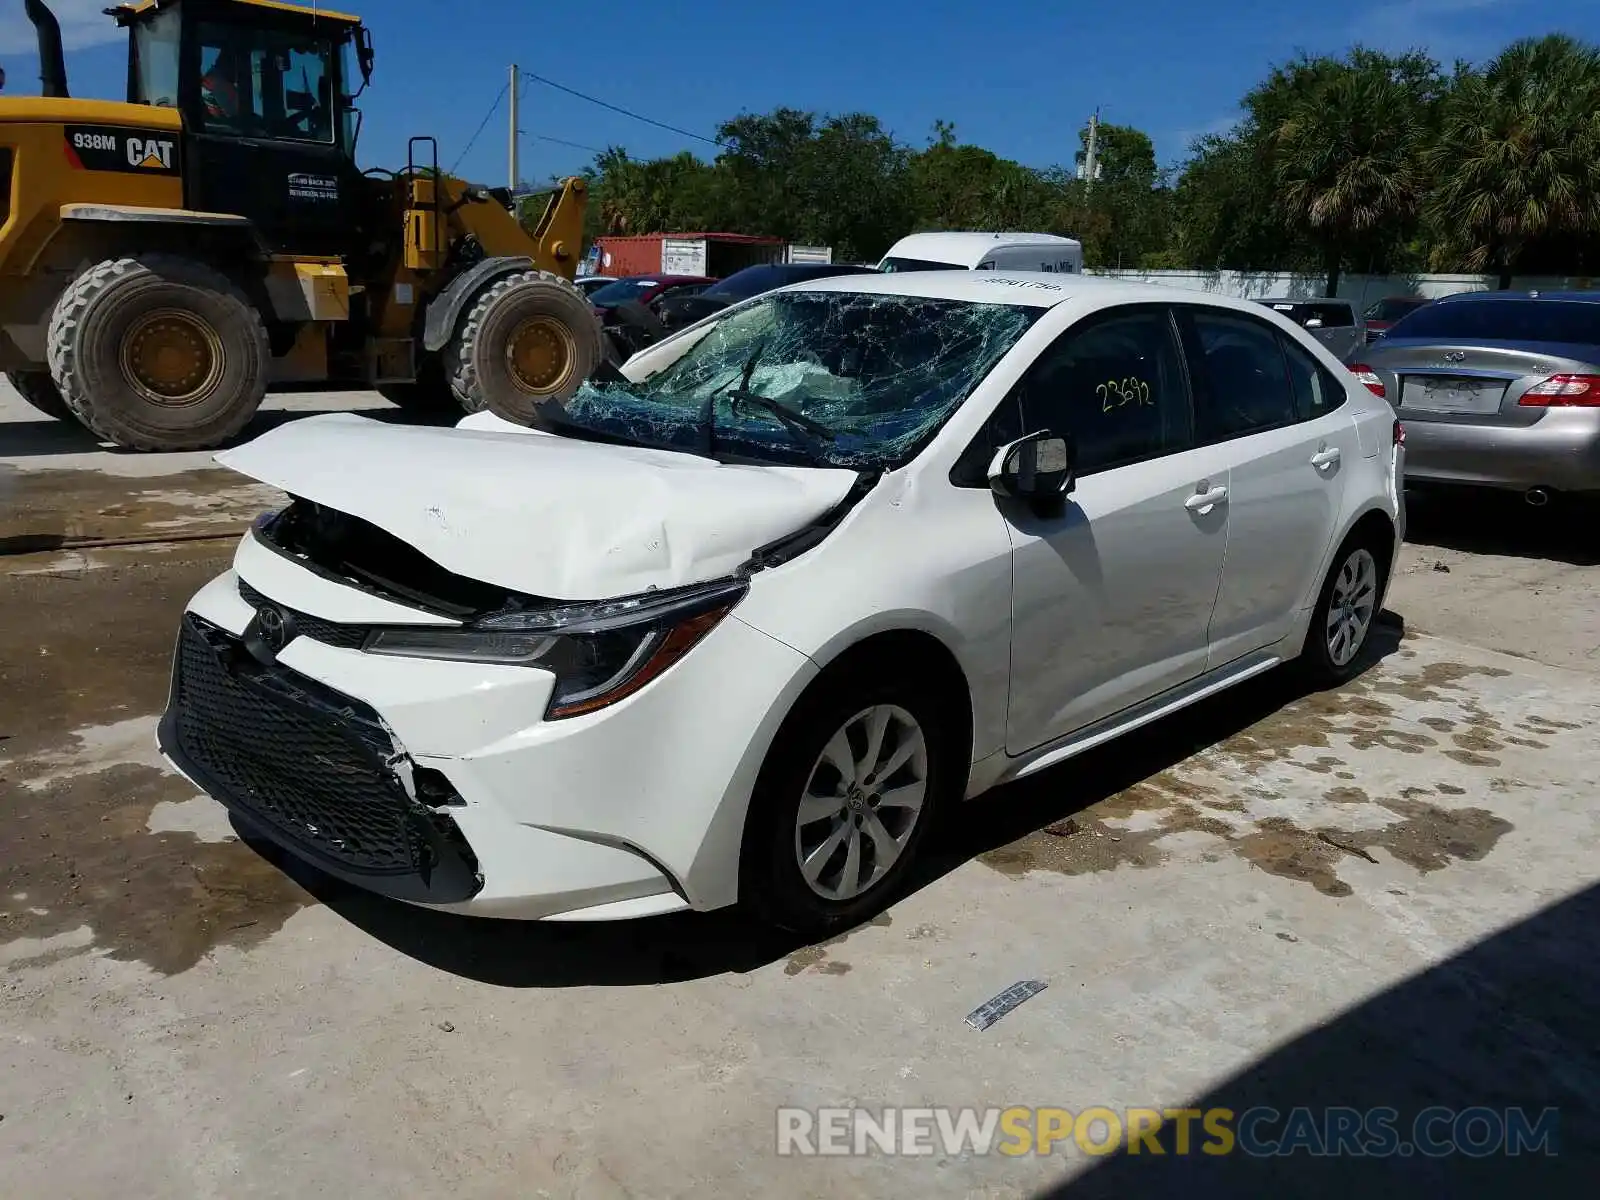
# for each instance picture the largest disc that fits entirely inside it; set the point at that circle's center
(274, 629)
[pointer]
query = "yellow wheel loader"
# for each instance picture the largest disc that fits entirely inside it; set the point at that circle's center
(165, 259)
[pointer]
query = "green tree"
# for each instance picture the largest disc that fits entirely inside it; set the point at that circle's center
(1517, 162)
(1347, 161)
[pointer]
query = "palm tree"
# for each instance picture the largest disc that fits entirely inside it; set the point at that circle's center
(1518, 157)
(1346, 160)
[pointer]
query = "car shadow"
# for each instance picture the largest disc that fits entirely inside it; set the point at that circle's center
(1507, 1023)
(1491, 521)
(689, 945)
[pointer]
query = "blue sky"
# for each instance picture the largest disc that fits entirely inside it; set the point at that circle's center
(1017, 76)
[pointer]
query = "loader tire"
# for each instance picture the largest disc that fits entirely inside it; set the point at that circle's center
(39, 390)
(529, 341)
(159, 353)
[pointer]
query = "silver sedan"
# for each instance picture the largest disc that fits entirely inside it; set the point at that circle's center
(1497, 389)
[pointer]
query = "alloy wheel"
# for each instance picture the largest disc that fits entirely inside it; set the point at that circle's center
(862, 801)
(1351, 606)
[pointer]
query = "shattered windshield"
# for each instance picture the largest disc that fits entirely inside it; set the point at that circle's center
(820, 378)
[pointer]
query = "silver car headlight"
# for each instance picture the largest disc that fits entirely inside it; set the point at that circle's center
(598, 652)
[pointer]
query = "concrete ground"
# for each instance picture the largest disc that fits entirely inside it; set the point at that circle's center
(1381, 895)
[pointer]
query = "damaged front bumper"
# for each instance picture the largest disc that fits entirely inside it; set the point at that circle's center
(635, 810)
(312, 769)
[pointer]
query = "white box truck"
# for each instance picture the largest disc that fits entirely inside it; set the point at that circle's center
(985, 252)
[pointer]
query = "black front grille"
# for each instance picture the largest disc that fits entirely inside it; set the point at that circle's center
(309, 766)
(303, 624)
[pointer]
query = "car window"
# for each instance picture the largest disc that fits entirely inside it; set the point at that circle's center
(1242, 380)
(1509, 320)
(1334, 316)
(1393, 308)
(1316, 391)
(1115, 386)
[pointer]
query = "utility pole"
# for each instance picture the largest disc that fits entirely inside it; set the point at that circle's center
(1091, 157)
(512, 154)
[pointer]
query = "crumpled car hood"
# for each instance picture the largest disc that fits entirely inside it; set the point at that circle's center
(550, 516)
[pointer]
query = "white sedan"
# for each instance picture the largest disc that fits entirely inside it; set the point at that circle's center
(752, 614)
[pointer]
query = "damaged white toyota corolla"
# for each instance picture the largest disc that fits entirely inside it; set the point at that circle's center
(755, 612)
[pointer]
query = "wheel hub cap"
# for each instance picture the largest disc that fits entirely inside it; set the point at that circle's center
(861, 803)
(539, 355)
(172, 358)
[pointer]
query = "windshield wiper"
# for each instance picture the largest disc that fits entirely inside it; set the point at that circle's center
(708, 410)
(791, 419)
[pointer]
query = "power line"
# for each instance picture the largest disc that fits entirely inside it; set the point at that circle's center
(545, 137)
(504, 87)
(561, 87)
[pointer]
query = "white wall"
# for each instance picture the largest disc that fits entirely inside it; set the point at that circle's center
(1362, 289)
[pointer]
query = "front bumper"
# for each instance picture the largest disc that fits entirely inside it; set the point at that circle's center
(636, 809)
(1560, 451)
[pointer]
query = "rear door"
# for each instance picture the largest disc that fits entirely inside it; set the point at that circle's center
(1339, 331)
(1282, 422)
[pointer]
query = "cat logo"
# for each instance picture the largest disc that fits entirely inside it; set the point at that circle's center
(150, 154)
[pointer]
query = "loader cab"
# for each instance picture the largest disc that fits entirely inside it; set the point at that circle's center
(266, 90)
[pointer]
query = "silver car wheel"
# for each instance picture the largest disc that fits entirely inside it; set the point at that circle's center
(862, 801)
(1351, 606)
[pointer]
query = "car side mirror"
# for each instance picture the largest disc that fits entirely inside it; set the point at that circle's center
(1313, 322)
(1038, 469)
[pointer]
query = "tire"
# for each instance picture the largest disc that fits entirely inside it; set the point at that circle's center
(478, 359)
(39, 390)
(771, 881)
(113, 307)
(1356, 582)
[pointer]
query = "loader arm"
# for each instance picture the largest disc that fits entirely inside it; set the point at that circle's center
(557, 238)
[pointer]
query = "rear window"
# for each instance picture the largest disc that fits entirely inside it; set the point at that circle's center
(917, 264)
(621, 292)
(1505, 321)
(1393, 309)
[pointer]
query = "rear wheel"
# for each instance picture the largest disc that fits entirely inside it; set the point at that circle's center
(848, 793)
(39, 390)
(1345, 613)
(159, 353)
(529, 341)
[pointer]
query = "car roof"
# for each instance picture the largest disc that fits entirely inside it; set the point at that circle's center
(962, 246)
(1307, 300)
(1034, 289)
(1469, 297)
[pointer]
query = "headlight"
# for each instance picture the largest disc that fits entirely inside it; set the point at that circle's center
(598, 652)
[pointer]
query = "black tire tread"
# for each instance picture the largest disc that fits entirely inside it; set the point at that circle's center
(62, 348)
(458, 356)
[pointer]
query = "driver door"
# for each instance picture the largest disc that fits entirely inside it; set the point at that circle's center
(265, 135)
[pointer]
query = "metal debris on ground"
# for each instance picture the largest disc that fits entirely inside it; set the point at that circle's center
(990, 1011)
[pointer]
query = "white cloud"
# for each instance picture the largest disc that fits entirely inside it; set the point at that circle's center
(83, 23)
(1221, 124)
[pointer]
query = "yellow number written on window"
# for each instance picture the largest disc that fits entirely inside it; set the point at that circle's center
(1115, 393)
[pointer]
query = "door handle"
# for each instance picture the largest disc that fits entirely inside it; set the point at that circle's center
(1203, 502)
(1325, 458)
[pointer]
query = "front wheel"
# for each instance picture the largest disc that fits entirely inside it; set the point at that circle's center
(1344, 615)
(529, 341)
(843, 803)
